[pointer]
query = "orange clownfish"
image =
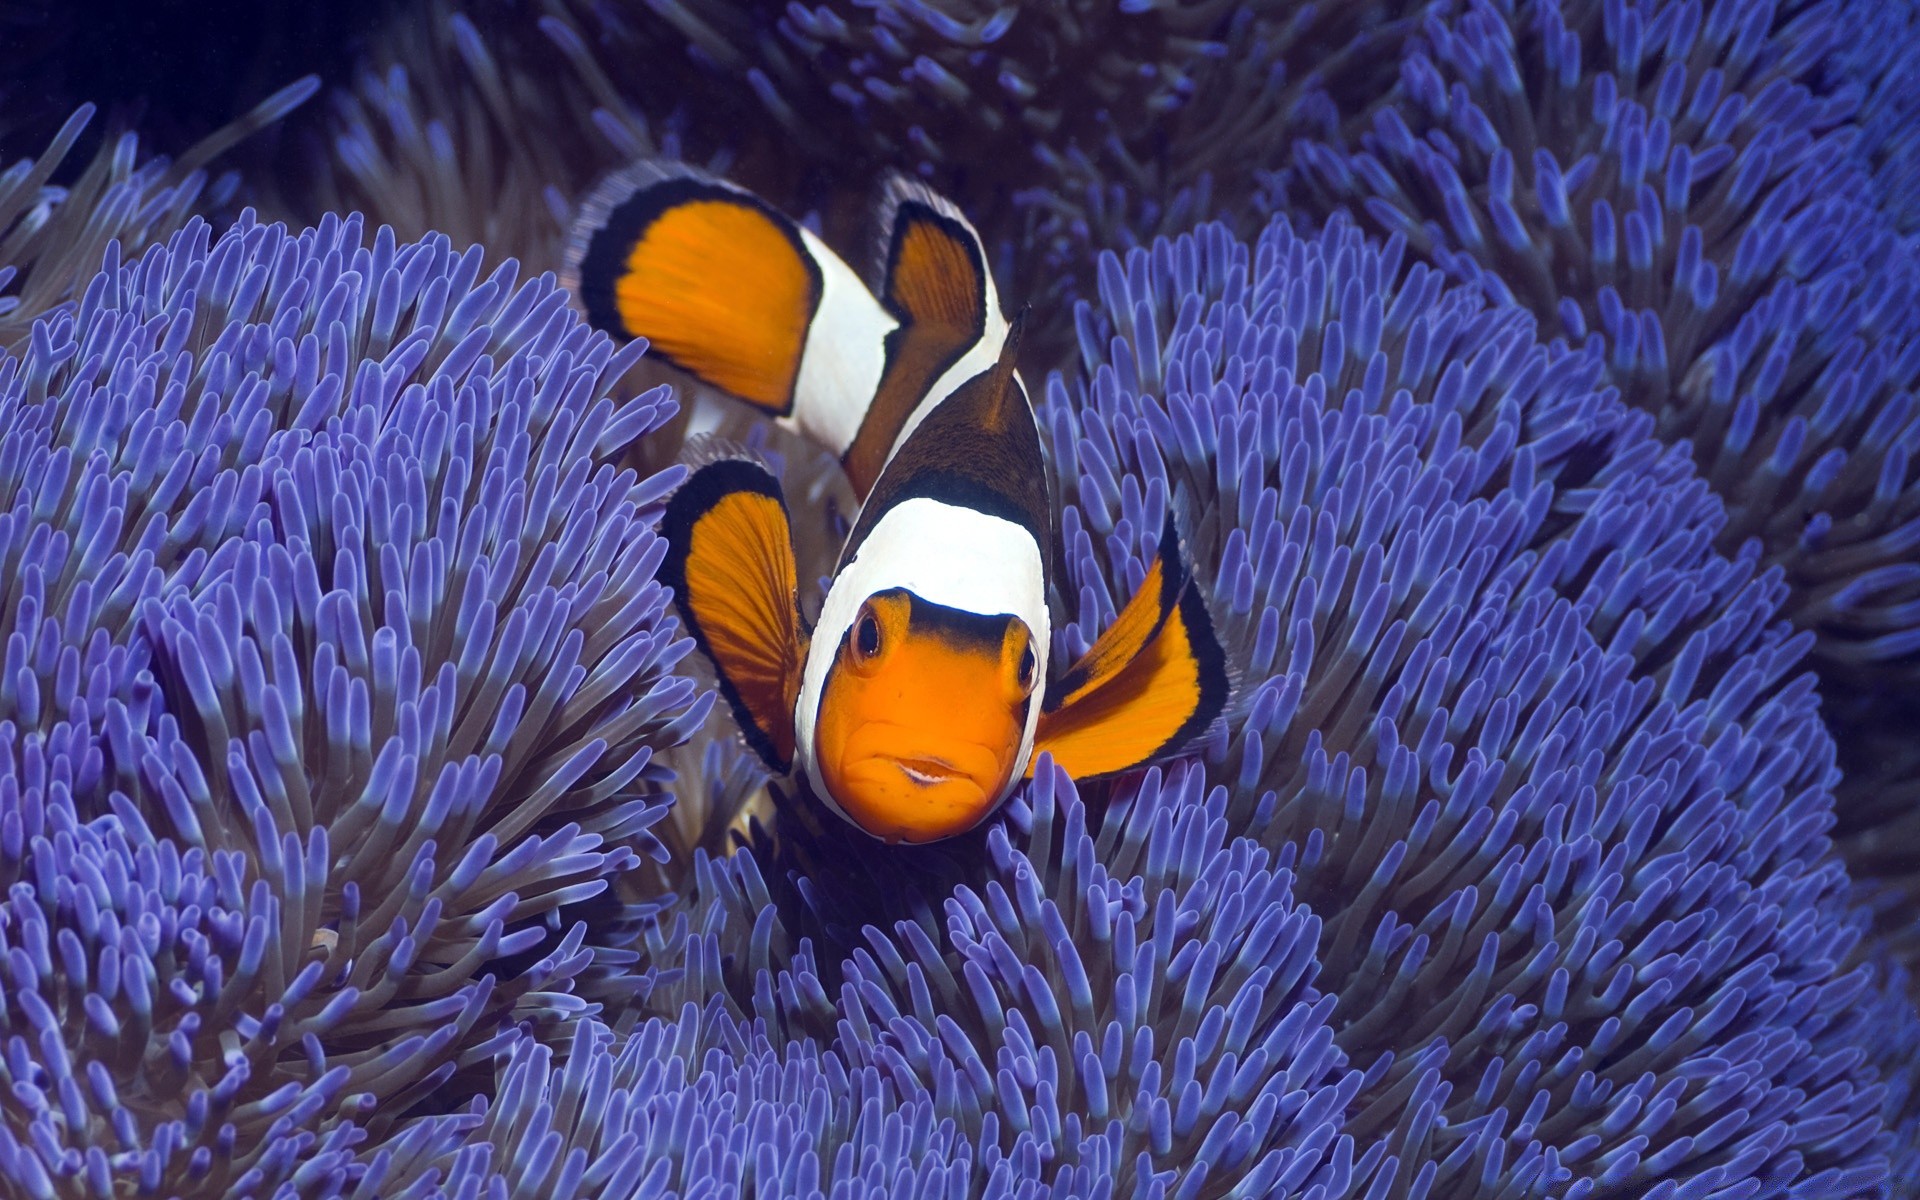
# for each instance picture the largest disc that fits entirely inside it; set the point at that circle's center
(922, 693)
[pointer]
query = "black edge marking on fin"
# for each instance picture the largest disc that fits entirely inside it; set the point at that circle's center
(1173, 584)
(1216, 675)
(1072, 717)
(704, 490)
(959, 309)
(585, 268)
(900, 192)
(618, 214)
(933, 280)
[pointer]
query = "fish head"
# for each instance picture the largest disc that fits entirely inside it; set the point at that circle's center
(922, 725)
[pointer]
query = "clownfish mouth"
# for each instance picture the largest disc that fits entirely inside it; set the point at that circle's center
(917, 793)
(929, 771)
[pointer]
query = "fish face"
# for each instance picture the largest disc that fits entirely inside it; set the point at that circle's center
(922, 726)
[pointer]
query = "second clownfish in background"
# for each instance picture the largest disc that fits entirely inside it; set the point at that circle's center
(923, 691)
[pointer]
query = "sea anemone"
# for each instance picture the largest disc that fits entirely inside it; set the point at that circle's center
(1530, 738)
(1117, 123)
(487, 126)
(335, 670)
(682, 1107)
(1130, 120)
(1897, 1050)
(52, 237)
(1683, 184)
(1879, 811)
(1876, 56)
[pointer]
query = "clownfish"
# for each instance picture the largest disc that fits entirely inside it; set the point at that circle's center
(923, 692)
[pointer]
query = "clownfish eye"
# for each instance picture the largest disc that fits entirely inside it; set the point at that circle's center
(1025, 675)
(866, 636)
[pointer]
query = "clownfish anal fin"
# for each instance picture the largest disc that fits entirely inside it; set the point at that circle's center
(1149, 685)
(719, 283)
(933, 279)
(730, 564)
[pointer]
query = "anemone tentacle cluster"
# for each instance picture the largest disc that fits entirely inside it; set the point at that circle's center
(1870, 55)
(1698, 203)
(51, 237)
(1110, 124)
(1495, 638)
(335, 673)
(1714, 194)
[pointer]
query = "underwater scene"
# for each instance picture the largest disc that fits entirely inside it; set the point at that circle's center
(1126, 599)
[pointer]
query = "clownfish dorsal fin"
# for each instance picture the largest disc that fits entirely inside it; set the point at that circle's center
(735, 293)
(978, 448)
(730, 563)
(933, 279)
(932, 265)
(1151, 683)
(1007, 396)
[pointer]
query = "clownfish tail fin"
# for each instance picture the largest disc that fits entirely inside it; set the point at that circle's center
(719, 283)
(1151, 684)
(607, 195)
(730, 563)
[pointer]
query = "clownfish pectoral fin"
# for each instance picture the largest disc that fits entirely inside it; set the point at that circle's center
(933, 279)
(730, 564)
(1150, 684)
